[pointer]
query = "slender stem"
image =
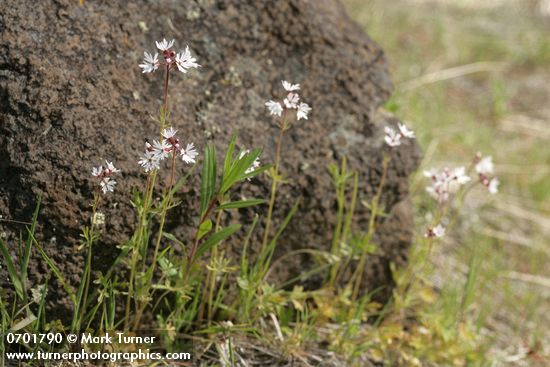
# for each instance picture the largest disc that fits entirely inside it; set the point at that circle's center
(372, 226)
(88, 266)
(274, 182)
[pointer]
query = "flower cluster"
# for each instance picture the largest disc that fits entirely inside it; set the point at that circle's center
(485, 168)
(446, 182)
(393, 138)
(291, 102)
(106, 183)
(180, 60)
(161, 149)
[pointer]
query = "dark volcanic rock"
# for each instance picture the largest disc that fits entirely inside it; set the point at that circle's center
(72, 95)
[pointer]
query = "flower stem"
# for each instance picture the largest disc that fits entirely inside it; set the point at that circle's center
(274, 181)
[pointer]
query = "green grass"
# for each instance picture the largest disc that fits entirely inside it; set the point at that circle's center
(501, 111)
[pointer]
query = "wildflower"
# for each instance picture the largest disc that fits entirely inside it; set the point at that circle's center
(149, 161)
(485, 165)
(254, 166)
(393, 138)
(161, 149)
(493, 185)
(38, 293)
(484, 168)
(98, 219)
(446, 182)
(189, 153)
(290, 87)
(303, 110)
(185, 61)
(405, 132)
(169, 133)
(436, 232)
(181, 60)
(106, 183)
(290, 102)
(164, 45)
(274, 108)
(150, 62)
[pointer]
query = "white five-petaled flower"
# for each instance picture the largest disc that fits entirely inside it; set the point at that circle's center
(289, 87)
(438, 231)
(189, 153)
(485, 165)
(291, 100)
(161, 149)
(150, 62)
(106, 183)
(185, 61)
(149, 161)
(169, 133)
(164, 45)
(405, 132)
(303, 110)
(393, 138)
(274, 108)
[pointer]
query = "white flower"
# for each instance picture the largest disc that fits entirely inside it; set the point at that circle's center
(110, 168)
(445, 182)
(438, 231)
(184, 61)
(291, 100)
(164, 44)
(392, 138)
(254, 166)
(493, 185)
(290, 87)
(303, 110)
(274, 108)
(169, 133)
(405, 132)
(161, 150)
(107, 185)
(150, 62)
(460, 175)
(98, 219)
(189, 153)
(97, 171)
(485, 165)
(149, 161)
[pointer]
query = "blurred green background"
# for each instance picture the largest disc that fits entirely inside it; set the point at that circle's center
(475, 76)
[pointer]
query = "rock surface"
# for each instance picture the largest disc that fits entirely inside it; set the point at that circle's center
(72, 95)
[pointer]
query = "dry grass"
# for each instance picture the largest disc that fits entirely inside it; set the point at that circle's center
(475, 78)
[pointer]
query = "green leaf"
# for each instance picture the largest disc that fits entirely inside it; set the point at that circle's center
(216, 238)
(27, 253)
(237, 171)
(208, 179)
(55, 270)
(204, 228)
(241, 204)
(16, 281)
(228, 161)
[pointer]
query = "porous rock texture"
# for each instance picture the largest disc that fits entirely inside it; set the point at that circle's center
(72, 95)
